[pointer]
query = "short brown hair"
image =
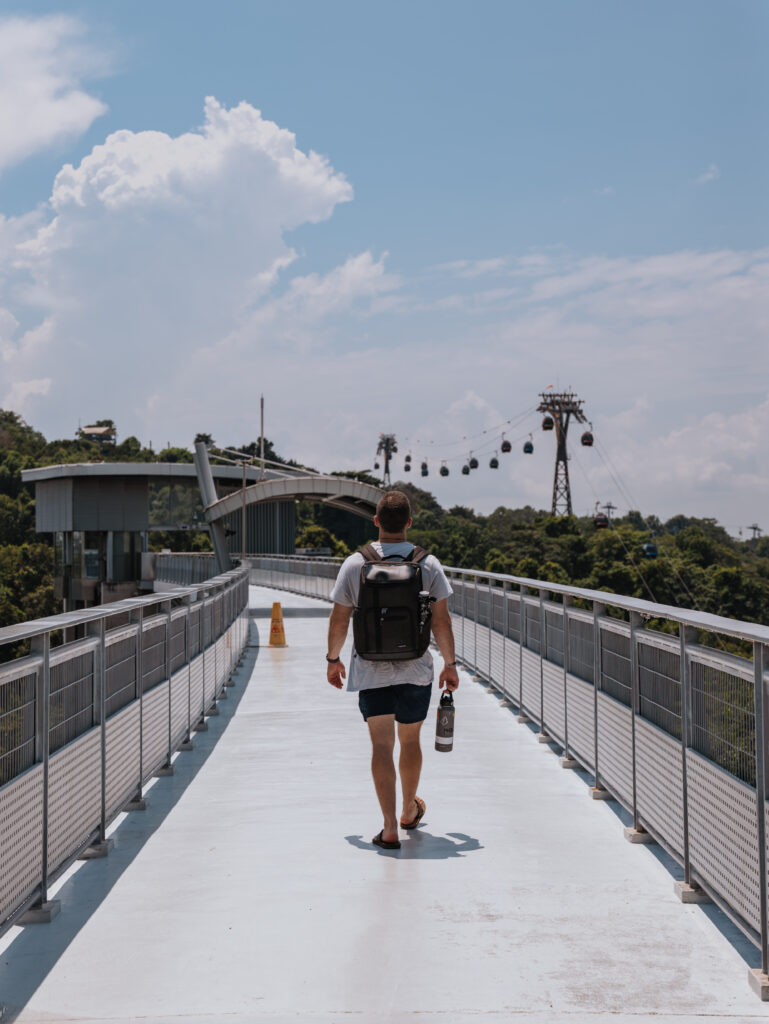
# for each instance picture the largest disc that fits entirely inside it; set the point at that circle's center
(393, 511)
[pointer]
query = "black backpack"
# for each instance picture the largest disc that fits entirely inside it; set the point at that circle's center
(392, 619)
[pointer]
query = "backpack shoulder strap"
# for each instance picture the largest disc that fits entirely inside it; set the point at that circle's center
(370, 553)
(417, 555)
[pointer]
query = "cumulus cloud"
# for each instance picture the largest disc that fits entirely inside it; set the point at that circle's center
(711, 174)
(43, 63)
(157, 248)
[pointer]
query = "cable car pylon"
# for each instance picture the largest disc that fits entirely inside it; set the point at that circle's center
(558, 409)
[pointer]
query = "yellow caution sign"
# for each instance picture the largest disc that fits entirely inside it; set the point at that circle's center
(277, 632)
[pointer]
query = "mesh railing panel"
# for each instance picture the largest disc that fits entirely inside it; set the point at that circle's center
(121, 686)
(554, 635)
(723, 725)
(533, 632)
(153, 655)
(582, 649)
(176, 641)
(615, 665)
(18, 709)
(659, 687)
(71, 708)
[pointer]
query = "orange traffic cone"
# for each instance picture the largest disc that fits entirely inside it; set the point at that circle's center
(277, 633)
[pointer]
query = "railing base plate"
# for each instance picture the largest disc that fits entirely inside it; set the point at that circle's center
(164, 771)
(139, 803)
(690, 893)
(523, 718)
(43, 913)
(97, 850)
(759, 982)
(599, 793)
(569, 762)
(187, 745)
(202, 726)
(639, 835)
(543, 737)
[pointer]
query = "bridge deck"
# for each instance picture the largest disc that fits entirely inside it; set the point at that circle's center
(248, 890)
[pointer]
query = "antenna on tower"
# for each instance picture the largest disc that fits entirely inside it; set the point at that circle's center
(558, 408)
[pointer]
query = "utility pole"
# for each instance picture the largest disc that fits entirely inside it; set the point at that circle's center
(609, 508)
(561, 406)
(386, 448)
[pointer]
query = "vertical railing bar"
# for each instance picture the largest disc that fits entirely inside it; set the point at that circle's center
(635, 620)
(522, 627)
(102, 652)
(140, 689)
(542, 643)
(505, 627)
(168, 677)
(46, 695)
(475, 625)
(567, 600)
(761, 711)
(686, 633)
(490, 626)
(598, 610)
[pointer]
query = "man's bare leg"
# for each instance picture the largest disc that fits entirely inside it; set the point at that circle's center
(381, 729)
(410, 767)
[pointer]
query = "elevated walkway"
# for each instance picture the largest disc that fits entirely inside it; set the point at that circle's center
(248, 890)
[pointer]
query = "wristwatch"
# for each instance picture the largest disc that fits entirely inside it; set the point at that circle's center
(332, 660)
(451, 664)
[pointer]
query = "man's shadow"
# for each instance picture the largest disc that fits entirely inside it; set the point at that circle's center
(421, 845)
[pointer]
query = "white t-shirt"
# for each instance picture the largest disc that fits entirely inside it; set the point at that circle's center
(369, 675)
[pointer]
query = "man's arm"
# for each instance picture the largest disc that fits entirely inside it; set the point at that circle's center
(444, 638)
(338, 625)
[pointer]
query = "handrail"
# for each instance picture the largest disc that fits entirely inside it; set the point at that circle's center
(84, 725)
(672, 730)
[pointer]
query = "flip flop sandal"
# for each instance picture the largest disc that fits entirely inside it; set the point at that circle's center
(421, 808)
(378, 841)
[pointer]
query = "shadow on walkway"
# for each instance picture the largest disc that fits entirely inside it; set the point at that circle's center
(422, 845)
(34, 952)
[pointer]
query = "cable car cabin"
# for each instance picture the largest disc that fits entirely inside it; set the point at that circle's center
(473, 463)
(407, 458)
(444, 470)
(493, 462)
(424, 470)
(587, 439)
(465, 470)
(548, 423)
(528, 448)
(506, 446)
(600, 521)
(650, 550)
(376, 465)
(407, 467)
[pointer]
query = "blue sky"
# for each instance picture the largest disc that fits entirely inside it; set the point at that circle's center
(548, 192)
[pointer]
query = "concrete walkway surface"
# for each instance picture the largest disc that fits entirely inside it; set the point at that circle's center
(249, 889)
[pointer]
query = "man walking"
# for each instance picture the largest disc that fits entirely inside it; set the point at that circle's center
(397, 691)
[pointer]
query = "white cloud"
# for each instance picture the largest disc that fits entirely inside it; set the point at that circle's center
(607, 190)
(474, 268)
(43, 62)
(711, 174)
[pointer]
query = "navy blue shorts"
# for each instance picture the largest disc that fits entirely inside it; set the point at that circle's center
(407, 701)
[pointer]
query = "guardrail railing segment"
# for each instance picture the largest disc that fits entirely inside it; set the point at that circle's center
(85, 724)
(673, 729)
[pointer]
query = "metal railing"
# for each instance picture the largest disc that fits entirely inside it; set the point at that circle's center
(675, 730)
(85, 724)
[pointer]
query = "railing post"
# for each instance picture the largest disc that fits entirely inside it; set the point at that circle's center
(686, 635)
(44, 694)
(475, 626)
(505, 627)
(491, 624)
(522, 591)
(598, 611)
(140, 694)
(167, 765)
(542, 642)
(567, 600)
(762, 731)
(635, 703)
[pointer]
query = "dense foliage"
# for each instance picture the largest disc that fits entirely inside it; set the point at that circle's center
(699, 564)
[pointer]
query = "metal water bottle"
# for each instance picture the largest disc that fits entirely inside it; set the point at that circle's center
(444, 732)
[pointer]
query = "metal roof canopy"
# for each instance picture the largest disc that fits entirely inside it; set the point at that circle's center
(342, 492)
